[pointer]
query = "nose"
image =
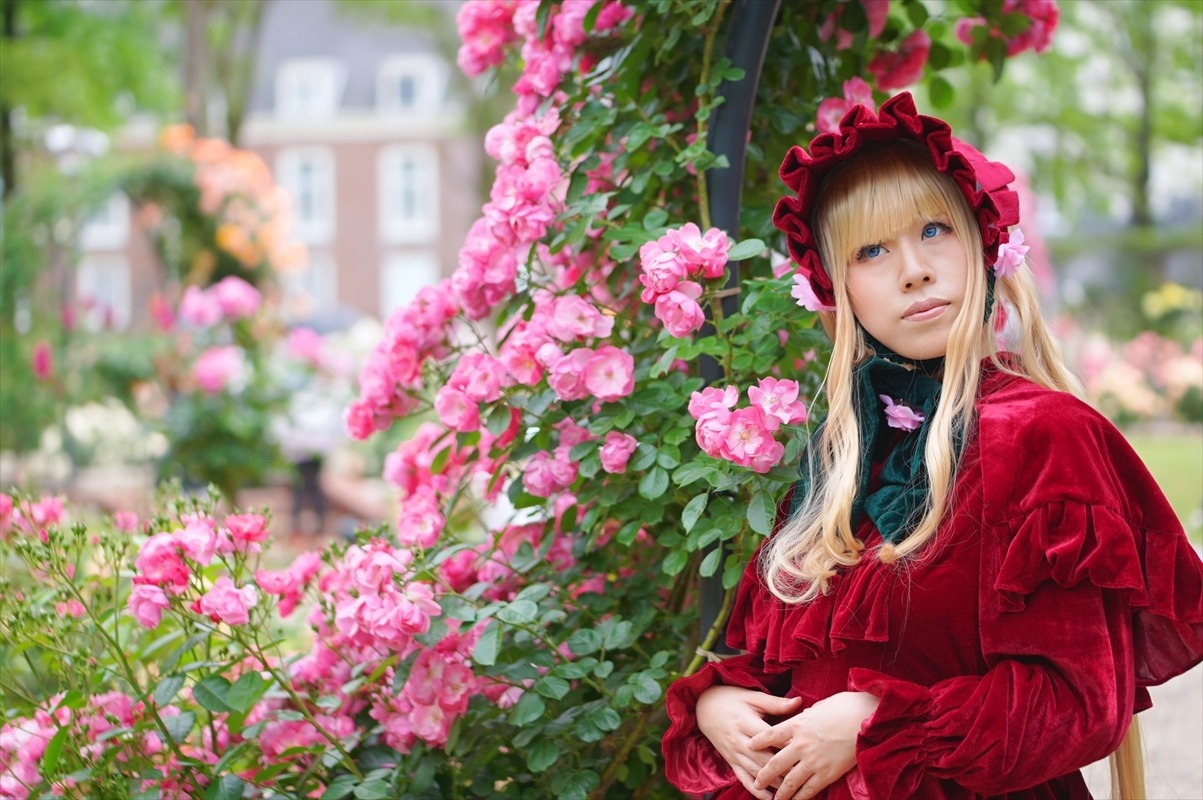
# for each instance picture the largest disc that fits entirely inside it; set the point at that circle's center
(914, 270)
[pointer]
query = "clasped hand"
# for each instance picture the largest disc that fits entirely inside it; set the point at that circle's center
(800, 756)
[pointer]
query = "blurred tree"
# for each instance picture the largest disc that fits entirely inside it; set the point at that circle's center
(1120, 84)
(221, 42)
(86, 64)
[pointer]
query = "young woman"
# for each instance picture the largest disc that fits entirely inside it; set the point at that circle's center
(978, 578)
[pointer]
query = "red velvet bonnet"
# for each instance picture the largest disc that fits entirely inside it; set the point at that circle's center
(984, 183)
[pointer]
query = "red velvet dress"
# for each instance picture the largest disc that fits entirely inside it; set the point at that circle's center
(1014, 652)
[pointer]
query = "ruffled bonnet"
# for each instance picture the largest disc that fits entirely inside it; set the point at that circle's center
(984, 184)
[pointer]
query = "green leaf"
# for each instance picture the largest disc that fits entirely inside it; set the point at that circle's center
(374, 789)
(528, 709)
(340, 787)
(761, 513)
(546, 751)
(941, 92)
(519, 612)
(647, 689)
(674, 562)
(746, 249)
(692, 471)
(645, 456)
(664, 362)
(654, 483)
(575, 785)
(498, 420)
(487, 646)
(710, 562)
(166, 689)
(179, 726)
(53, 751)
(628, 532)
(655, 219)
(584, 641)
(553, 687)
(246, 691)
(693, 510)
(211, 694)
(227, 787)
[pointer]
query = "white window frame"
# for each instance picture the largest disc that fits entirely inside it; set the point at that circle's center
(430, 82)
(100, 270)
(318, 230)
(108, 229)
(397, 224)
(326, 78)
(398, 282)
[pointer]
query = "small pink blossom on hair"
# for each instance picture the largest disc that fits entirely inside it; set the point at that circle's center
(804, 293)
(1010, 255)
(902, 417)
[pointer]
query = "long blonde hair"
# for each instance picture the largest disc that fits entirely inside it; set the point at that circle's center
(869, 198)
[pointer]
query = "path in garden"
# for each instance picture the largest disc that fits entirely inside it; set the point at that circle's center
(1173, 741)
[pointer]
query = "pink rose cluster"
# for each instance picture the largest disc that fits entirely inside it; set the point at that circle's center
(745, 436)
(35, 518)
(554, 320)
(526, 195)
(671, 265)
(167, 562)
(1043, 15)
(393, 372)
(230, 299)
(488, 27)
(106, 722)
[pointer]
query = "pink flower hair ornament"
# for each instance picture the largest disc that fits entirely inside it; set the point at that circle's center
(984, 184)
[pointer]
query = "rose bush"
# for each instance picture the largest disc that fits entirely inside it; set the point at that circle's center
(511, 634)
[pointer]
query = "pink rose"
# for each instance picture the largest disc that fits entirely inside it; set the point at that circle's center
(307, 345)
(236, 297)
(662, 268)
(779, 401)
(159, 562)
(226, 603)
(546, 474)
(617, 451)
(713, 402)
(610, 374)
(900, 416)
(125, 521)
(247, 531)
(833, 109)
(146, 604)
(708, 252)
(198, 540)
(896, 70)
(566, 375)
(679, 310)
(43, 361)
(200, 308)
(574, 318)
(804, 293)
(1011, 255)
(456, 410)
(217, 367)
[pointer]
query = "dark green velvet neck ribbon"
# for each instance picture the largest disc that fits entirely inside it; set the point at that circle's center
(896, 504)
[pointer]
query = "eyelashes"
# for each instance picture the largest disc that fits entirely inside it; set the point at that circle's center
(929, 230)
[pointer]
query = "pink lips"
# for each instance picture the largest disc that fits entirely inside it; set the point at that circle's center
(925, 310)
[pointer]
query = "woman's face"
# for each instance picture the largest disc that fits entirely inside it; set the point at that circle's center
(908, 289)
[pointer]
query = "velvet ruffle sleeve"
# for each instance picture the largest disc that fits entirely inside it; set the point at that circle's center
(1088, 592)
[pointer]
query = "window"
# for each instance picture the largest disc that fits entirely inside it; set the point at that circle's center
(312, 288)
(410, 83)
(307, 174)
(408, 200)
(309, 87)
(102, 290)
(401, 278)
(108, 228)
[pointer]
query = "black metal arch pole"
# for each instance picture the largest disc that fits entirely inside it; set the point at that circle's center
(747, 43)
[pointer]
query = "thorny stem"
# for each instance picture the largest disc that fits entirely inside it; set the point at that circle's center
(704, 80)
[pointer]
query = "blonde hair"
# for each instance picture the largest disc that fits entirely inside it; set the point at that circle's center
(869, 198)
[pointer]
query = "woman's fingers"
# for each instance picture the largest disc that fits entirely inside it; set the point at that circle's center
(777, 736)
(795, 780)
(749, 783)
(777, 706)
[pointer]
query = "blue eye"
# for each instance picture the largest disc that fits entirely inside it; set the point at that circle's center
(934, 229)
(869, 251)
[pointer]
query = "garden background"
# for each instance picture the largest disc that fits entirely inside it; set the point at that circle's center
(422, 289)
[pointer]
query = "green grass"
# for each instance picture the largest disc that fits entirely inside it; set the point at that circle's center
(1176, 461)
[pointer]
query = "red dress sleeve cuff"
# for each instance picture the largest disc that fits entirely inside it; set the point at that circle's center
(691, 762)
(894, 739)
